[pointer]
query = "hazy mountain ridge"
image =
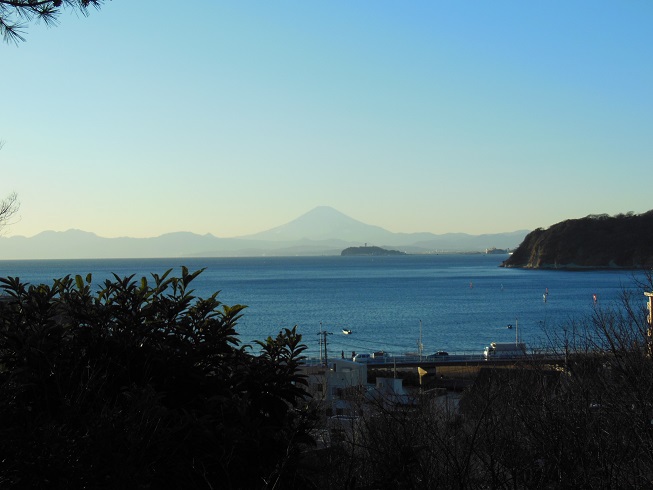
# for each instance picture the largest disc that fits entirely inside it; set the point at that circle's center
(322, 231)
(325, 223)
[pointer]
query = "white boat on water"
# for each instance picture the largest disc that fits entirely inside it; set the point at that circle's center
(346, 331)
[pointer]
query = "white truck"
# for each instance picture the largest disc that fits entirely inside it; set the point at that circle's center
(498, 350)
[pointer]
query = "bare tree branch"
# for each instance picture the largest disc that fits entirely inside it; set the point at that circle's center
(8, 208)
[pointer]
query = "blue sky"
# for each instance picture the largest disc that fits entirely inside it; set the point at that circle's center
(234, 117)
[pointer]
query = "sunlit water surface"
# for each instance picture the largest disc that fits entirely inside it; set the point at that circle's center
(459, 303)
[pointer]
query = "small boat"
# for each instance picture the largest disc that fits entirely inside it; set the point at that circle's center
(346, 331)
(509, 326)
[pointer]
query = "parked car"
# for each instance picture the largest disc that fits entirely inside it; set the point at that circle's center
(440, 353)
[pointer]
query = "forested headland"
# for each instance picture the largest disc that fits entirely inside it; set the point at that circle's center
(596, 241)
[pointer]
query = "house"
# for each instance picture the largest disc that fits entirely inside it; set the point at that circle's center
(337, 386)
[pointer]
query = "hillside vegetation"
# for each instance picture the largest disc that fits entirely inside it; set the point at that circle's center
(370, 251)
(596, 241)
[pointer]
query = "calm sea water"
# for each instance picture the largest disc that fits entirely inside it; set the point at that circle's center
(460, 303)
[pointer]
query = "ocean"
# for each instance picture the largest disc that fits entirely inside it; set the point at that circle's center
(457, 303)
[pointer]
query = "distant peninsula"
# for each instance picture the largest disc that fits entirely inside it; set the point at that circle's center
(624, 241)
(370, 251)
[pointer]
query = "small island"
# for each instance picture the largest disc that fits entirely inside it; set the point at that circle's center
(376, 251)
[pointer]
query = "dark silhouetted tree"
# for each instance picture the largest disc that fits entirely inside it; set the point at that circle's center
(143, 385)
(8, 209)
(16, 14)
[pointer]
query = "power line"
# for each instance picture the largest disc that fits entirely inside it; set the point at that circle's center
(323, 341)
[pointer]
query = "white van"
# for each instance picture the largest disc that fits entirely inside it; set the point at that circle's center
(508, 349)
(362, 358)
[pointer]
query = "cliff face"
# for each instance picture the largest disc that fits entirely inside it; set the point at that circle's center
(597, 241)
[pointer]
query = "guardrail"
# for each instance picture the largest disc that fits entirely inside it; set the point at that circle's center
(389, 360)
(452, 358)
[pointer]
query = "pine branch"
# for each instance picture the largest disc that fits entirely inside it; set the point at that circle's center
(16, 14)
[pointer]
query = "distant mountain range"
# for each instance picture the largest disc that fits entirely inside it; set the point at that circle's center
(322, 231)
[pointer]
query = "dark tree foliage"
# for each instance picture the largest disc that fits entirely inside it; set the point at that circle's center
(582, 419)
(16, 14)
(143, 385)
(597, 241)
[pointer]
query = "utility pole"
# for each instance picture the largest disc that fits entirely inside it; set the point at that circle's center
(320, 340)
(420, 346)
(323, 333)
(649, 321)
(323, 340)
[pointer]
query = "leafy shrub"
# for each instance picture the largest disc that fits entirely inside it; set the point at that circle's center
(143, 385)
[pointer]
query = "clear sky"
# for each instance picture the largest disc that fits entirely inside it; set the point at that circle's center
(230, 118)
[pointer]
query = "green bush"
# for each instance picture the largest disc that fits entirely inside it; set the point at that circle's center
(143, 385)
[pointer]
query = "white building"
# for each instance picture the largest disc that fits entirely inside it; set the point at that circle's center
(337, 385)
